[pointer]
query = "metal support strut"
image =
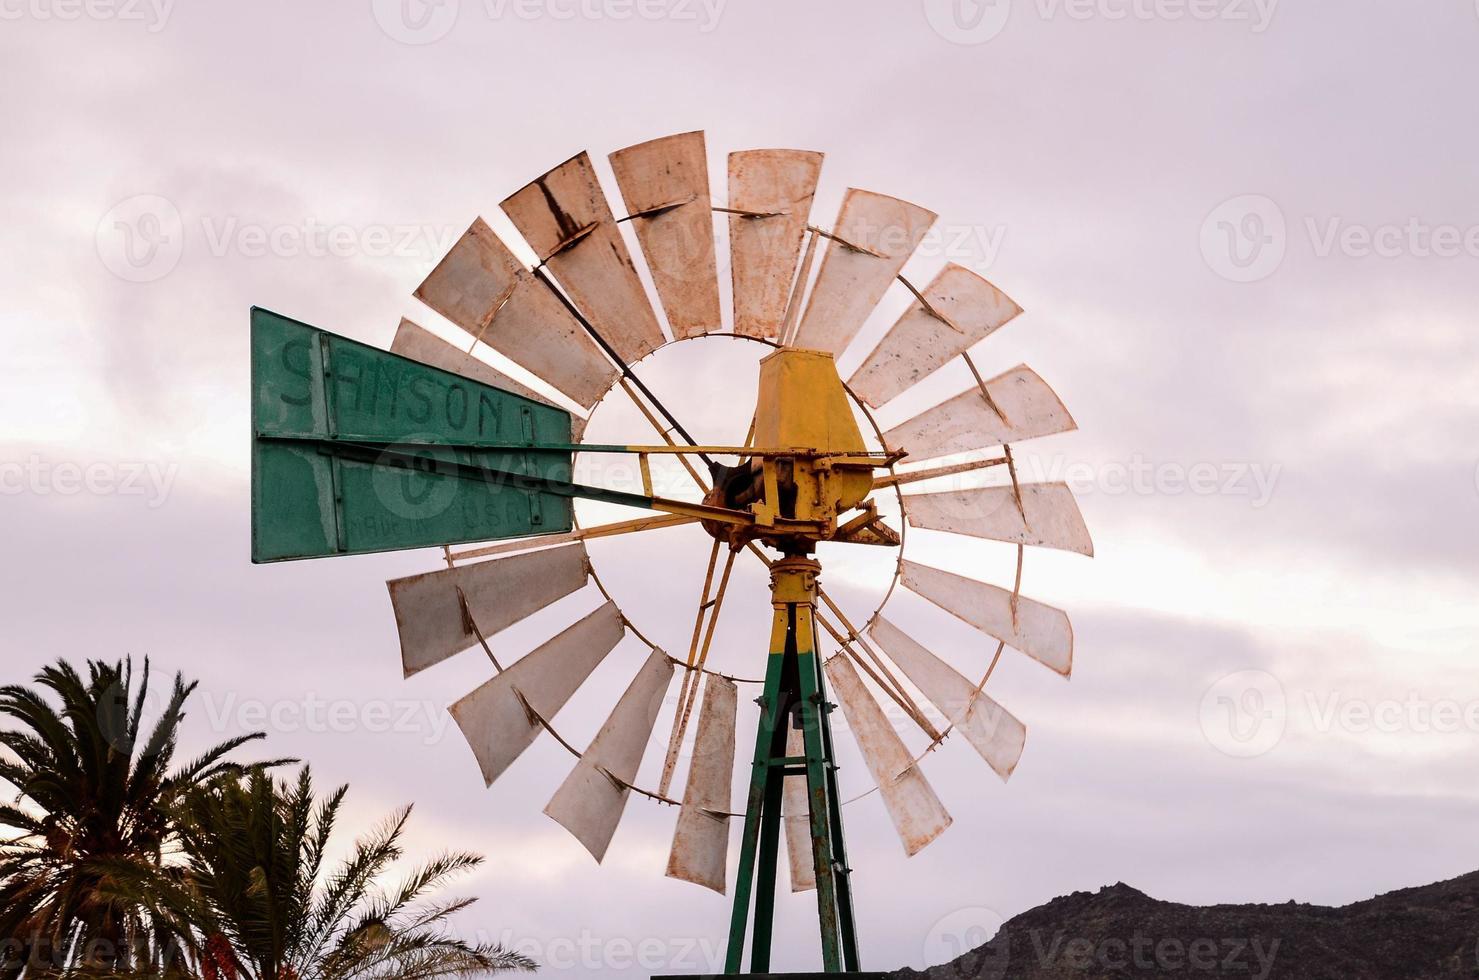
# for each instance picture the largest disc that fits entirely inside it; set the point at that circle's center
(794, 697)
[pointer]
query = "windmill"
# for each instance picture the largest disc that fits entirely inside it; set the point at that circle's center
(359, 450)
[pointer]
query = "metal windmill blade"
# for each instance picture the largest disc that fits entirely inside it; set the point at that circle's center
(770, 194)
(357, 450)
(1021, 407)
(435, 613)
(874, 236)
(1036, 629)
(955, 311)
(483, 288)
(590, 801)
(1044, 515)
(917, 813)
(502, 717)
(701, 838)
(992, 730)
(564, 217)
(665, 186)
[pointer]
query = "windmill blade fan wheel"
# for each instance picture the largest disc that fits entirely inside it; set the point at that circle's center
(579, 320)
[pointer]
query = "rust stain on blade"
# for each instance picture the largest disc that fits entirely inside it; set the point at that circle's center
(701, 837)
(419, 344)
(991, 729)
(428, 611)
(590, 801)
(851, 282)
(1040, 631)
(564, 217)
(483, 288)
(493, 719)
(967, 422)
(1049, 516)
(917, 813)
(796, 817)
(665, 185)
(920, 343)
(763, 250)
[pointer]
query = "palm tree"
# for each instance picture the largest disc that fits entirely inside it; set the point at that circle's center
(93, 810)
(270, 909)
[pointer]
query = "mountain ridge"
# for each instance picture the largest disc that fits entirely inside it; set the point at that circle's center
(1427, 932)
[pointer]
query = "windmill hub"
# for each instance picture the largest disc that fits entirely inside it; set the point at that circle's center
(801, 406)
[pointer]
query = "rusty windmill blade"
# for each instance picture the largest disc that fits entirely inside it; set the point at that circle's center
(956, 310)
(991, 729)
(1038, 630)
(483, 288)
(564, 217)
(917, 813)
(665, 186)
(795, 817)
(416, 342)
(433, 621)
(496, 718)
(701, 838)
(590, 802)
(1022, 406)
(1048, 516)
(770, 194)
(874, 236)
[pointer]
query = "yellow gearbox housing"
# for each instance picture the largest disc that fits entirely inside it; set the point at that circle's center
(802, 405)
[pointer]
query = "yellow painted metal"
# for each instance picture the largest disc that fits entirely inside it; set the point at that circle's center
(802, 403)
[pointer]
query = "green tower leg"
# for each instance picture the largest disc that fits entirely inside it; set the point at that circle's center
(794, 689)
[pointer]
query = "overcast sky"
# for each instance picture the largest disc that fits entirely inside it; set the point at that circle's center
(1243, 231)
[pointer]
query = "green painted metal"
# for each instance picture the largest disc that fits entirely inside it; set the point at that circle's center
(357, 450)
(794, 689)
(846, 925)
